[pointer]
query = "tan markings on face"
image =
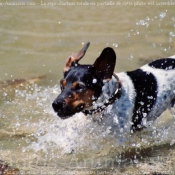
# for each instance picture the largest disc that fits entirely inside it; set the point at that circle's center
(86, 96)
(76, 84)
(63, 83)
(80, 98)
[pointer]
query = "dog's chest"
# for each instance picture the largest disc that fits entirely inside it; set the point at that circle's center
(122, 108)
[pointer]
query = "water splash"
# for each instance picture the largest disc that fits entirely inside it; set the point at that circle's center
(172, 34)
(145, 22)
(79, 137)
(163, 14)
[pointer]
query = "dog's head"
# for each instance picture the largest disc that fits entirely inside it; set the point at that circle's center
(82, 84)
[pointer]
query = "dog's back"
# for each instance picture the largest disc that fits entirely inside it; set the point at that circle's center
(164, 72)
(150, 88)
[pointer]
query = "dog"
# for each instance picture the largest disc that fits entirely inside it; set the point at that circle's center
(136, 97)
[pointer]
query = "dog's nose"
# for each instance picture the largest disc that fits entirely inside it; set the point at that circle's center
(57, 105)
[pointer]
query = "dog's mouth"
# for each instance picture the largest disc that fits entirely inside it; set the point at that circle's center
(64, 115)
(67, 112)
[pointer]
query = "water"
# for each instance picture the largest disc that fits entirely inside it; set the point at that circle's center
(34, 137)
(35, 41)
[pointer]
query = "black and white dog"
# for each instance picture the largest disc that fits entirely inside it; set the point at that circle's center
(135, 97)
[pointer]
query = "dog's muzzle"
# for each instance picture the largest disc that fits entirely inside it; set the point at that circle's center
(64, 111)
(58, 107)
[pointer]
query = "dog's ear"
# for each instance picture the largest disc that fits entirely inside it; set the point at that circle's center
(105, 64)
(75, 57)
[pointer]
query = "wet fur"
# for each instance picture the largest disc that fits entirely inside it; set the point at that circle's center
(146, 92)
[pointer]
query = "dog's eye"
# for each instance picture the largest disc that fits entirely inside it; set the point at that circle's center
(78, 86)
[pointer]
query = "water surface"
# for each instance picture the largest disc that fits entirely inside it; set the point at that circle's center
(35, 41)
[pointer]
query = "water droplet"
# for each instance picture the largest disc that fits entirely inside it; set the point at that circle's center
(143, 22)
(142, 103)
(162, 15)
(133, 144)
(130, 57)
(18, 124)
(172, 142)
(138, 145)
(121, 129)
(172, 34)
(154, 45)
(170, 40)
(144, 121)
(94, 81)
(136, 161)
(108, 130)
(115, 119)
(128, 35)
(115, 44)
(4, 94)
(147, 18)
